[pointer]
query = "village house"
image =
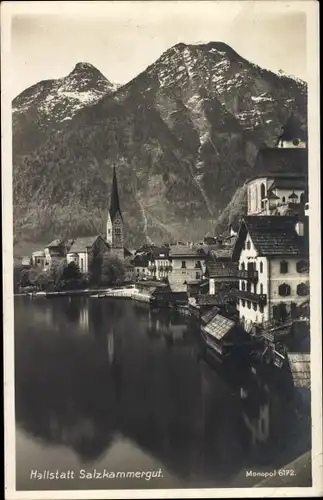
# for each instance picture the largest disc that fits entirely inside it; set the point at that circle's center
(38, 259)
(272, 253)
(55, 252)
(84, 250)
(140, 264)
(221, 275)
(188, 265)
(159, 264)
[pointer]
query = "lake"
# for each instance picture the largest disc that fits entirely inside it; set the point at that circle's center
(108, 386)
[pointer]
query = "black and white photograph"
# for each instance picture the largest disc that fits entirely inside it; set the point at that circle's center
(161, 249)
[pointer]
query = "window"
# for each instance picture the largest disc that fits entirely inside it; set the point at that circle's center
(109, 231)
(254, 306)
(302, 266)
(296, 142)
(248, 245)
(261, 288)
(248, 286)
(261, 267)
(283, 199)
(301, 198)
(198, 264)
(302, 289)
(243, 286)
(283, 267)
(81, 265)
(183, 264)
(242, 266)
(243, 303)
(248, 304)
(262, 195)
(261, 308)
(262, 191)
(197, 276)
(117, 231)
(284, 290)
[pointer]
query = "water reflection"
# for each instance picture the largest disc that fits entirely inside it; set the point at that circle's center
(92, 373)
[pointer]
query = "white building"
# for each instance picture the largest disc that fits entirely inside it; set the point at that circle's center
(160, 264)
(273, 267)
(188, 265)
(277, 192)
(83, 251)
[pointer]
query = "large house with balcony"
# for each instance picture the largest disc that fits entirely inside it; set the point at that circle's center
(159, 264)
(273, 267)
(188, 265)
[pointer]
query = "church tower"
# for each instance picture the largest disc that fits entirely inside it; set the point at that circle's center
(115, 230)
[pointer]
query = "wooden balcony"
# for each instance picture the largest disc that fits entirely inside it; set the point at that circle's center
(251, 275)
(260, 299)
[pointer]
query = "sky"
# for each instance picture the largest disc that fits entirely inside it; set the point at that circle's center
(122, 38)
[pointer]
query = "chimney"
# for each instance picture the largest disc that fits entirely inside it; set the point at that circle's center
(299, 228)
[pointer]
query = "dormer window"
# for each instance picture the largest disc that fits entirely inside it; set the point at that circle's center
(296, 142)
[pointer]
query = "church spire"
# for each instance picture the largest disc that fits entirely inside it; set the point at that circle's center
(114, 204)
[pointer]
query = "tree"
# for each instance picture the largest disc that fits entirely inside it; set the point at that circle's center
(112, 271)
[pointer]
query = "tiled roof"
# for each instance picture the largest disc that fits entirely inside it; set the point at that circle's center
(273, 235)
(222, 328)
(209, 315)
(158, 252)
(221, 253)
(81, 244)
(219, 326)
(206, 299)
(183, 250)
(281, 163)
(289, 183)
(222, 269)
(55, 243)
(140, 260)
(38, 253)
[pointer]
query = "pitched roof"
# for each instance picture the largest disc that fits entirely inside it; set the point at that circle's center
(221, 253)
(209, 315)
(185, 250)
(220, 327)
(272, 196)
(140, 260)
(281, 162)
(114, 204)
(38, 253)
(82, 244)
(160, 252)
(222, 269)
(273, 235)
(55, 243)
(289, 183)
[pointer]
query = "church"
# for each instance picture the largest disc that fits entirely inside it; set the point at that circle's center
(115, 226)
(84, 249)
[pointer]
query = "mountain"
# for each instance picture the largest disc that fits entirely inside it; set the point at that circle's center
(183, 134)
(40, 108)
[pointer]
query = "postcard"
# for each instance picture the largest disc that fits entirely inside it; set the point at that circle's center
(161, 249)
